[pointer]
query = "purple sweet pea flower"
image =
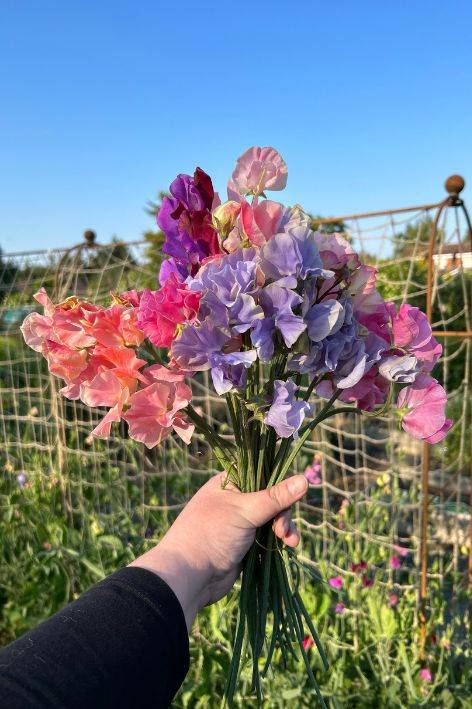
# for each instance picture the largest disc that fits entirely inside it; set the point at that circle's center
(229, 288)
(185, 219)
(171, 267)
(192, 350)
(286, 414)
(292, 253)
(324, 319)
(339, 608)
(277, 303)
(228, 371)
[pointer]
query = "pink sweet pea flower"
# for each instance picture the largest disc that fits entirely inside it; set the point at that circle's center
(335, 251)
(161, 311)
(155, 410)
(411, 331)
(256, 170)
(422, 408)
(336, 582)
(308, 642)
(105, 389)
(313, 473)
(369, 307)
(392, 600)
(426, 675)
(260, 221)
(225, 215)
(63, 361)
(395, 562)
(401, 551)
(116, 326)
(339, 608)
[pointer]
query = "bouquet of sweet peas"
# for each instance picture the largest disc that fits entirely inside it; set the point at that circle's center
(276, 312)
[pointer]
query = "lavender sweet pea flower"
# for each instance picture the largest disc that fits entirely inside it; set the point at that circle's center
(192, 350)
(228, 371)
(402, 369)
(286, 414)
(229, 287)
(277, 303)
(292, 253)
(324, 319)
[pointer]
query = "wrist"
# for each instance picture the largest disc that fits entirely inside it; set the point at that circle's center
(182, 574)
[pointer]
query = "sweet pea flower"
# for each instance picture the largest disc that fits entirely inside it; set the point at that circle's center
(116, 326)
(401, 551)
(335, 251)
(259, 221)
(426, 675)
(160, 312)
(367, 582)
(155, 410)
(395, 562)
(313, 474)
(256, 170)
(402, 369)
(422, 409)
(392, 600)
(339, 608)
(286, 414)
(336, 582)
(225, 215)
(411, 331)
(361, 566)
(308, 642)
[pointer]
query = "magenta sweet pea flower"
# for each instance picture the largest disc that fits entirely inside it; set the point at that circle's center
(395, 562)
(392, 600)
(256, 170)
(336, 582)
(412, 332)
(422, 408)
(339, 608)
(426, 675)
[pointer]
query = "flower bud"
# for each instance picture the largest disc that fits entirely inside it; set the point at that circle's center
(224, 217)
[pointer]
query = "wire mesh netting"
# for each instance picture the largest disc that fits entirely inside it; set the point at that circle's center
(368, 495)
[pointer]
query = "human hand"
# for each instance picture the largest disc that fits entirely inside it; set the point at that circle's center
(200, 556)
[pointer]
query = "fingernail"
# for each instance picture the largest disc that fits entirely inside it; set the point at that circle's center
(297, 484)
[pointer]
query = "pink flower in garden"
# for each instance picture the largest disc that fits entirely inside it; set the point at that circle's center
(395, 562)
(65, 323)
(308, 642)
(313, 473)
(336, 582)
(160, 312)
(256, 170)
(411, 331)
(392, 600)
(369, 307)
(335, 251)
(155, 410)
(422, 407)
(64, 361)
(339, 608)
(369, 391)
(425, 675)
(116, 326)
(400, 550)
(260, 221)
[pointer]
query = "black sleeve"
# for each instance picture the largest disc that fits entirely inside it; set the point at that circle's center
(124, 643)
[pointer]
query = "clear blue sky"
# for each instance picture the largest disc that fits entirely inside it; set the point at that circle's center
(102, 103)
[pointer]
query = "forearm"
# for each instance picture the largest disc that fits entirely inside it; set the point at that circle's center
(124, 643)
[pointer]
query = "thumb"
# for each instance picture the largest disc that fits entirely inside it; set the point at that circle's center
(262, 506)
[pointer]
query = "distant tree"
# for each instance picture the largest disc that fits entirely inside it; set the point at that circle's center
(154, 239)
(8, 276)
